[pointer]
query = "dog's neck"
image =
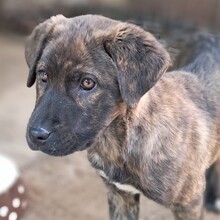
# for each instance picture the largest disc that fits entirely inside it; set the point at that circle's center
(109, 144)
(109, 154)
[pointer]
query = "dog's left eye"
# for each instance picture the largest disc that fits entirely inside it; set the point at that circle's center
(43, 76)
(87, 84)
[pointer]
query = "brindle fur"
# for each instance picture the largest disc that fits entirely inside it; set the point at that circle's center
(156, 132)
(122, 205)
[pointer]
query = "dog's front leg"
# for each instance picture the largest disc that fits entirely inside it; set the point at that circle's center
(122, 205)
(191, 211)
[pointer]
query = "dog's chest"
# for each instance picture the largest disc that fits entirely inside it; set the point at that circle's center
(123, 187)
(113, 175)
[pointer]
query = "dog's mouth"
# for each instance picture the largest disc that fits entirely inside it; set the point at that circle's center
(53, 151)
(56, 146)
(64, 151)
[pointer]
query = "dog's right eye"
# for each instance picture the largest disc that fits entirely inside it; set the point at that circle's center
(43, 75)
(87, 84)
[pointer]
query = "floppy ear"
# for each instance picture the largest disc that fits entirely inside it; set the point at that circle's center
(35, 44)
(139, 58)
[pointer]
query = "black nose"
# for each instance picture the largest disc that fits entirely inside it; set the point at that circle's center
(39, 135)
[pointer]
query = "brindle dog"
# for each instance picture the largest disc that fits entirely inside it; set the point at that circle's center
(101, 86)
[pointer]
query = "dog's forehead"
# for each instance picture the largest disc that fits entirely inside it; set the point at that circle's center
(79, 35)
(63, 53)
(77, 45)
(85, 28)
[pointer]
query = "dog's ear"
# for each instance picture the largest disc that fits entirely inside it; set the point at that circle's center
(139, 58)
(35, 44)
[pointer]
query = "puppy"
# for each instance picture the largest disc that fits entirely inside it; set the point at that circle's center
(101, 86)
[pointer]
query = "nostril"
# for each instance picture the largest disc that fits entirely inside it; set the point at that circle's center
(39, 134)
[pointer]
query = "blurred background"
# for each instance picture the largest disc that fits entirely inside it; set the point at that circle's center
(68, 188)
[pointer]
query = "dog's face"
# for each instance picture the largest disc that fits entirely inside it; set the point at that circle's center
(86, 70)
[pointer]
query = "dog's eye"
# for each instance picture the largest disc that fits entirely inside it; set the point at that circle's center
(43, 76)
(87, 84)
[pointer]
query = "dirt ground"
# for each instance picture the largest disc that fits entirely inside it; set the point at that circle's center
(59, 188)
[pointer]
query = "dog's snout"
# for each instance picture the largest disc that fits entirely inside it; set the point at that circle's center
(39, 135)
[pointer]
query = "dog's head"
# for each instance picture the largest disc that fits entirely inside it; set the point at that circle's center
(85, 69)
